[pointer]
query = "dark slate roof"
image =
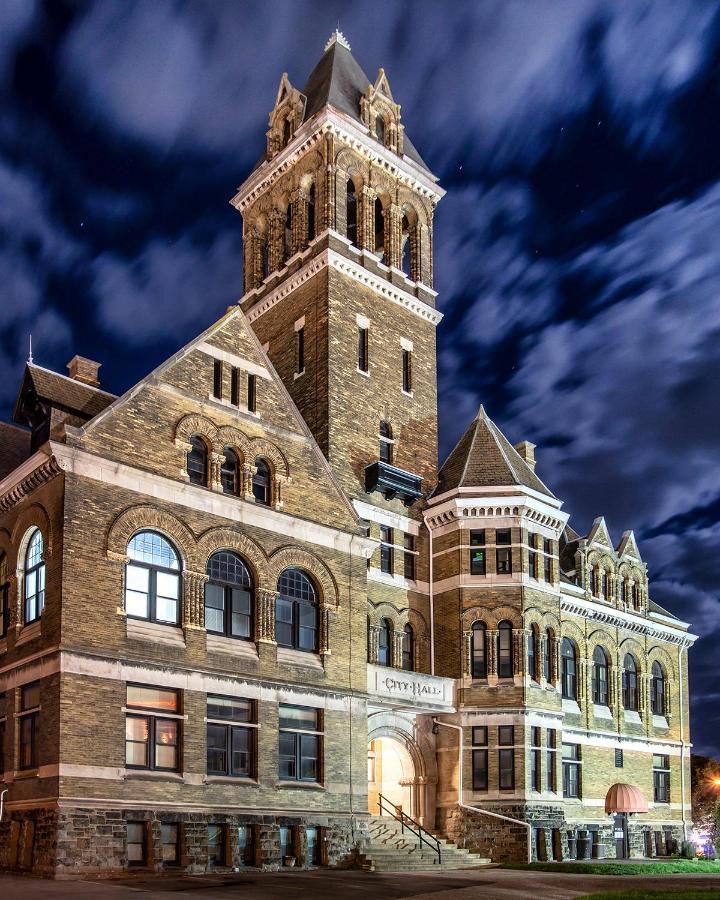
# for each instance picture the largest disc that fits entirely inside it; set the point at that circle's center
(484, 457)
(14, 447)
(338, 80)
(62, 392)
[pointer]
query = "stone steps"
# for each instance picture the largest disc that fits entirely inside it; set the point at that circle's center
(388, 848)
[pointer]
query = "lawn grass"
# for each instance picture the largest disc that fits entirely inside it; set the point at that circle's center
(653, 895)
(671, 867)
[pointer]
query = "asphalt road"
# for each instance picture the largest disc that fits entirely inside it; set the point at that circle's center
(327, 885)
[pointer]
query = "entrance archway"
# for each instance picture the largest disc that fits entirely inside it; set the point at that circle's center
(391, 772)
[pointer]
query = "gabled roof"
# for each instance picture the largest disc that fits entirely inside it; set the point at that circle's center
(484, 457)
(628, 545)
(14, 447)
(599, 533)
(338, 80)
(60, 392)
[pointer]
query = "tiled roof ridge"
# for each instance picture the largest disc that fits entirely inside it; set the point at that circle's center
(90, 387)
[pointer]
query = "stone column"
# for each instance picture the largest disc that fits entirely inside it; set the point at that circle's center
(324, 636)
(612, 688)
(366, 219)
(215, 461)
(373, 643)
(276, 491)
(265, 617)
(518, 649)
(276, 239)
(415, 241)
(542, 650)
(393, 235)
(193, 599)
(491, 662)
(397, 649)
(246, 482)
(467, 654)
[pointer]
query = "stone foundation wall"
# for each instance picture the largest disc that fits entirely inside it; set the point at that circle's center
(77, 842)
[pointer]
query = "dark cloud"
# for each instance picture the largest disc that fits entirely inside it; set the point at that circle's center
(575, 250)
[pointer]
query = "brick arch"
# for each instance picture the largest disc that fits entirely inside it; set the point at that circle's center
(353, 167)
(409, 201)
(228, 436)
(570, 630)
(630, 645)
(604, 639)
(271, 453)
(145, 517)
(474, 614)
(223, 538)
(35, 516)
(659, 653)
(493, 617)
(386, 610)
(196, 424)
(296, 557)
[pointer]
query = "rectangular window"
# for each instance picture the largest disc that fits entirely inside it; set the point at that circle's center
(312, 856)
(29, 725)
(477, 537)
(251, 392)
(285, 841)
(300, 744)
(503, 561)
(506, 769)
(216, 845)
(170, 837)
(136, 844)
(532, 564)
(506, 735)
(230, 748)
(480, 770)
(363, 360)
(535, 756)
(234, 386)
(502, 536)
(618, 758)
(661, 778)
(572, 779)
(547, 572)
(218, 379)
(409, 541)
(480, 736)
(547, 546)
(245, 845)
(551, 757)
(152, 741)
(477, 552)
(407, 371)
(300, 350)
(386, 549)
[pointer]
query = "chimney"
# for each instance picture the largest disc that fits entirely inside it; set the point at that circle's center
(85, 370)
(527, 451)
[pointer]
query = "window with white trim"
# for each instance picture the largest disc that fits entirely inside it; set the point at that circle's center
(152, 728)
(152, 579)
(231, 737)
(300, 743)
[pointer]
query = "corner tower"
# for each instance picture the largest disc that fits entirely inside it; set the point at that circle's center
(337, 224)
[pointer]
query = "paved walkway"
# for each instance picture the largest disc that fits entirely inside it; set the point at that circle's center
(469, 884)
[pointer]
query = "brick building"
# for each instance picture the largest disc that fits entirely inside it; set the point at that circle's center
(240, 602)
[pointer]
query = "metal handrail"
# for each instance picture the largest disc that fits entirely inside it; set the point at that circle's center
(406, 822)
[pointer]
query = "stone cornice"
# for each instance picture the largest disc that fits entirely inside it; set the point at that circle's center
(332, 259)
(628, 622)
(23, 482)
(329, 121)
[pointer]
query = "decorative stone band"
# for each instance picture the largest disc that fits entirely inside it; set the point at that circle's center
(193, 615)
(45, 472)
(265, 618)
(626, 621)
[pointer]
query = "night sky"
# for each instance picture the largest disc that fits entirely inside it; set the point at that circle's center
(577, 250)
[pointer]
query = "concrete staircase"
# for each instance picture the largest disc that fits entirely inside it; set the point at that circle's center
(387, 849)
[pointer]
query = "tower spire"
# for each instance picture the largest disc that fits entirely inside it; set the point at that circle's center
(337, 37)
(30, 356)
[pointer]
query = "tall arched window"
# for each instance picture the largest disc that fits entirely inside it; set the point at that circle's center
(351, 212)
(600, 677)
(547, 654)
(386, 443)
(569, 670)
(296, 612)
(34, 578)
(635, 595)
(479, 650)
(262, 482)
(230, 472)
(380, 128)
(505, 650)
(657, 689)
(408, 649)
(630, 683)
(385, 643)
(229, 596)
(197, 460)
(603, 584)
(311, 214)
(406, 263)
(287, 233)
(595, 581)
(152, 579)
(532, 652)
(380, 230)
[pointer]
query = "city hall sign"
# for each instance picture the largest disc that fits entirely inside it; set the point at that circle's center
(414, 690)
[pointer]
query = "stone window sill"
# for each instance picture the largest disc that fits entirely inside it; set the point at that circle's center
(26, 773)
(303, 785)
(231, 779)
(28, 632)
(140, 775)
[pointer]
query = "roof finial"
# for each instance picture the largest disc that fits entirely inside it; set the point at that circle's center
(30, 356)
(337, 37)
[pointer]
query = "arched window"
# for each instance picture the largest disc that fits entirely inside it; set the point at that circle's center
(600, 677)
(311, 214)
(603, 584)
(479, 650)
(532, 652)
(547, 651)
(228, 596)
(287, 234)
(657, 689)
(569, 670)
(262, 482)
(406, 263)
(385, 643)
(287, 132)
(152, 579)
(197, 460)
(230, 472)
(635, 595)
(380, 230)
(380, 128)
(386, 443)
(34, 578)
(630, 683)
(351, 212)
(296, 612)
(505, 650)
(408, 649)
